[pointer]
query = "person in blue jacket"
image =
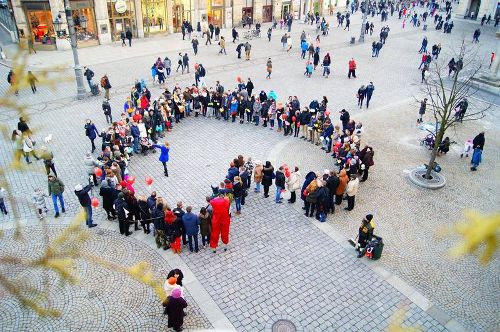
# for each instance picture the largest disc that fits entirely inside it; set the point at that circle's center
(165, 148)
(91, 132)
(192, 226)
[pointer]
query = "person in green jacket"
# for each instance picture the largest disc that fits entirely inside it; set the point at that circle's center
(56, 189)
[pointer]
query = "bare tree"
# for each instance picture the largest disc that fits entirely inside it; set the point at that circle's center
(446, 88)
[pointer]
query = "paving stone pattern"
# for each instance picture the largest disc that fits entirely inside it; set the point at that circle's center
(103, 300)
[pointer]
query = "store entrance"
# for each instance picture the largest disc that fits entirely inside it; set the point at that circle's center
(121, 24)
(179, 15)
(216, 17)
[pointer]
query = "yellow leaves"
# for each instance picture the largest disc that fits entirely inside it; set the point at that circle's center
(477, 230)
(62, 266)
(142, 273)
(396, 322)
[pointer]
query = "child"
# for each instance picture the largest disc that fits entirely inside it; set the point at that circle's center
(170, 285)
(3, 209)
(39, 201)
(467, 148)
(309, 69)
(205, 226)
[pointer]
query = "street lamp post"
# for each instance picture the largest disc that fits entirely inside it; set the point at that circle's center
(364, 9)
(81, 92)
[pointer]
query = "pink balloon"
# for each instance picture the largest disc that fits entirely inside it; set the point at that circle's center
(149, 180)
(131, 179)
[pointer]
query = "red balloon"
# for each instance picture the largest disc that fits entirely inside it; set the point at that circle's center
(283, 116)
(94, 202)
(294, 119)
(120, 123)
(327, 113)
(131, 179)
(123, 184)
(287, 173)
(98, 171)
(298, 124)
(196, 66)
(149, 180)
(238, 78)
(122, 132)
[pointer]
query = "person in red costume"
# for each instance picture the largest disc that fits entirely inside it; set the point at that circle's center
(220, 222)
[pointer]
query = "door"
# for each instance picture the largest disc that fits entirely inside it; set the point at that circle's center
(267, 14)
(216, 18)
(285, 10)
(178, 11)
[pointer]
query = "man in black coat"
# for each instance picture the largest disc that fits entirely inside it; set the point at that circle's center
(280, 184)
(128, 34)
(121, 208)
(109, 195)
(179, 213)
(249, 87)
(344, 117)
(479, 141)
(158, 215)
(84, 198)
(332, 183)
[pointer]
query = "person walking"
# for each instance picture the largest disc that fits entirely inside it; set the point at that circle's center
(351, 191)
(369, 92)
(361, 95)
(31, 44)
(185, 63)
(234, 34)
(195, 44)
(174, 309)
(423, 47)
(164, 155)
(84, 198)
(179, 64)
(91, 132)
(105, 85)
(352, 68)
(56, 190)
(29, 148)
(128, 34)
(422, 109)
(366, 157)
(478, 145)
(106, 108)
(222, 44)
(32, 81)
(293, 184)
(123, 37)
(267, 179)
(121, 208)
(3, 196)
(48, 160)
(269, 33)
(326, 65)
(248, 47)
(269, 68)
(288, 43)
(191, 224)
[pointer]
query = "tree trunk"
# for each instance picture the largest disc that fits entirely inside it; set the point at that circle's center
(439, 138)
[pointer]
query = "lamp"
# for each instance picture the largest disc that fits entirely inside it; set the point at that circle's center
(57, 24)
(83, 22)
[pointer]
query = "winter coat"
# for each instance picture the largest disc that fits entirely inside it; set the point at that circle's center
(120, 207)
(205, 224)
(56, 187)
(91, 131)
(83, 196)
(479, 140)
(175, 311)
(332, 183)
(164, 152)
(280, 179)
(309, 178)
(191, 223)
(90, 163)
(258, 173)
(39, 199)
(293, 181)
(158, 215)
(352, 187)
(108, 196)
(267, 179)
(343, 179)
(237, 190)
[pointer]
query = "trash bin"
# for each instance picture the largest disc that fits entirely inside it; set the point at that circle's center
(353, 40)
(378, 247)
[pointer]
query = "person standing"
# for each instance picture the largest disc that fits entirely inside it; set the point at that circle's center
(3, 195)
(106, 108)
(339, 193)
(332, 183)
(109, 196)
(351, 191)
(478, 145)
(185, 63)
(369, 92)
(352, 68)
(258, 175)
(56, 189)
(269, 68)
(217, 32)
(293, 184)
(174, 309)
(84, 198)
(32, 81)
(222, 44)
(365, 234)
(205, 225)
(267, 179)
(280, 184)
(89, 74)
(249, 87)
(220, 222)
(164, 155)
(121, 208)
(421, 111)
(366, 156)
(269, 33)
(191, 224)
(238, 193)
(128, 34)
(179, 213)
(91, 132)
(248, 47)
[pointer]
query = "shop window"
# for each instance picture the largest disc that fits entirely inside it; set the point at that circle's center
(85, 23)
(40, 25)
(154, 13)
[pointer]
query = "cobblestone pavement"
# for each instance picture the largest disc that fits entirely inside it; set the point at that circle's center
(278, 260)
(103, 300)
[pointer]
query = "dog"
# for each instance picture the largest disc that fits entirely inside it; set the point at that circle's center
(48, 139)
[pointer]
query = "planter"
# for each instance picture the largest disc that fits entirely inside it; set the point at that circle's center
(437, 180)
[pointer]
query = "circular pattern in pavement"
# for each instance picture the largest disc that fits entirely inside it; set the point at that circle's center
(284, 325)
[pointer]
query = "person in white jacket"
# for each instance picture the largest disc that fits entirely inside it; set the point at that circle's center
(170, 285)
(351, 191)
(293, 183)
(39, 202)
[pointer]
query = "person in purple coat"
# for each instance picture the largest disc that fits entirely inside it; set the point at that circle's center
(164, 148)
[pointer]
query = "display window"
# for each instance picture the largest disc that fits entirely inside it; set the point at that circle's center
(121, 17)
(85, 23)
(182, 10)
(154, 15)
(39, 18)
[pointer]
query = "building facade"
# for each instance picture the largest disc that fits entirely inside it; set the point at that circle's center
(102, 21)
(476, 9)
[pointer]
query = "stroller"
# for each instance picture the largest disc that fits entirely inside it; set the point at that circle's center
(428, 141)
(146, 144)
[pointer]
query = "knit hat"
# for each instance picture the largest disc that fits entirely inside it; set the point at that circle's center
(176, 293)
(78, 187)
(369, 217)
(172, 280)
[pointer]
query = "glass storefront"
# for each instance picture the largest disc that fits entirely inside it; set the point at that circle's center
(182, 10)
(121, 17)
(247, 10)
(154, 16)
(215, 12)
(85, 24)
(39, 20)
